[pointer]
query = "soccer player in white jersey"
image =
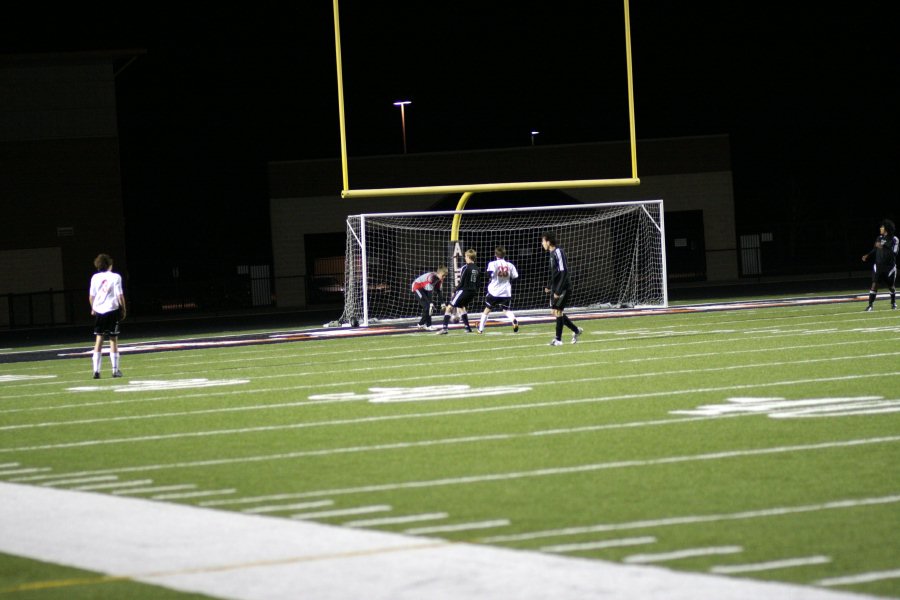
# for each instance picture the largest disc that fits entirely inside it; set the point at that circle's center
(107, 299)
(499, 291)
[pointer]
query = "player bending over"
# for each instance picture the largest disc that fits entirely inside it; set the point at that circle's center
(499, 291)
(425, 287)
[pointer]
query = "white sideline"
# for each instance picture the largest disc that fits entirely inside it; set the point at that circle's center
(251, 557)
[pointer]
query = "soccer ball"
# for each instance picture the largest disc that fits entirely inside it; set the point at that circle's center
(454, 319)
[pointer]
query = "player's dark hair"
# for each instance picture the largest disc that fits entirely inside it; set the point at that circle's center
(550, 237)
(103, 262)
(499, 251)
(888, 226)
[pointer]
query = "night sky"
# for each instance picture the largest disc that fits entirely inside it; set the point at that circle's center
(808, 95)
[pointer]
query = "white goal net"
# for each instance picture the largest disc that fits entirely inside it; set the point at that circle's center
(615, 251)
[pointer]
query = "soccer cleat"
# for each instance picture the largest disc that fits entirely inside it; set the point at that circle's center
(117, 373)
(576, 334)
(516, 326)
(556, 343)
(869, 308)
(893, 306)
(479, 331)
(420, 326)
(442, 332)
(468, 330)
(96, 375)
(428, 328)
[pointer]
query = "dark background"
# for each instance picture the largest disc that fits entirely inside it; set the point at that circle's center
(808, 95)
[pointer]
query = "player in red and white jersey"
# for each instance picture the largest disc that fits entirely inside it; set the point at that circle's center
(424, 287)
(499, 291)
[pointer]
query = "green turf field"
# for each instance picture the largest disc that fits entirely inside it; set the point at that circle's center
(758, 443)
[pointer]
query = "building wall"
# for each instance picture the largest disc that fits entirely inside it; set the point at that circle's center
(60, 183)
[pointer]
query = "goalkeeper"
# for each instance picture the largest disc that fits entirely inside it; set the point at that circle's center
(559, 288)
(425, 286)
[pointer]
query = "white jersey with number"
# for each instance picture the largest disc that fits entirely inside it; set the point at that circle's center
(106, 287)
(502, 272)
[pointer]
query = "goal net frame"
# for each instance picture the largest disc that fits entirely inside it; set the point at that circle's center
(615, 251)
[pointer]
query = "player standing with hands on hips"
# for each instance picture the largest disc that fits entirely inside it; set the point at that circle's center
(885, 268)
(107, 301)
(559, 288)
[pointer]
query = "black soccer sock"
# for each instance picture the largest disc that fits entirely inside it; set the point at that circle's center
(568, 323)
(872, 297)
(559, 326)
(446, 320)
(893, 296)
(465, 320)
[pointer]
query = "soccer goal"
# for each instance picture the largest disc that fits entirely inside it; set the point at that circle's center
(616, 256)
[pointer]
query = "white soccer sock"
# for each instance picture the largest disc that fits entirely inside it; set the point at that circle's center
(511, 315)
(482, 322)
(95, 360)
(114, 359)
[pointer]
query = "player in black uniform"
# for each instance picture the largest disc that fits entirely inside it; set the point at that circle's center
(559, 288)
(465, 291)
(885, 268)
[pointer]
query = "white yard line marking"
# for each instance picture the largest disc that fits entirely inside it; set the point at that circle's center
(861, 578)
(153, 490)
(250, 500)
(457, 527)
(380, 369)
(343, 512)
(600, 545)
(527, 406)
(113, 485)
(639, 559)
(396, 520)
(694, 519)
(586, 468)
(286, 507)
(249, 557)
(25, 471)
(199, 494)
(81, 480)
(770, 565)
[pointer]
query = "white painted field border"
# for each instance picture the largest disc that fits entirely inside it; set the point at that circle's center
(418, 361)
(778, 511)
(771, 565)
(81, 480)
(434, 414)
(639, 559)
(24, 470)
(600, 544)
(244, 557)
(341, 397)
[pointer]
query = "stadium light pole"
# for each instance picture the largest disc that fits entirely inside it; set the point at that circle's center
(533, 133)
(402, 104)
